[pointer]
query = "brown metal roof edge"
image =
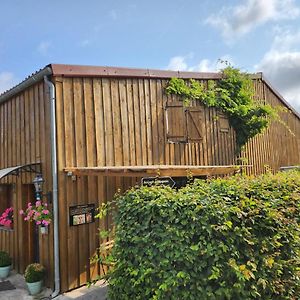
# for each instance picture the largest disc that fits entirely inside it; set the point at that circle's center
(119, 72)
(104, 71)
(280, 97)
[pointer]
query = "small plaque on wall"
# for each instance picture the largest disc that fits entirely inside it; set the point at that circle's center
(81, 214)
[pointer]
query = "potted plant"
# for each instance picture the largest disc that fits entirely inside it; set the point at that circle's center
(5, 263)
(34, 275)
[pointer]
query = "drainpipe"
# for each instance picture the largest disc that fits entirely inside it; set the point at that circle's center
(54, 187)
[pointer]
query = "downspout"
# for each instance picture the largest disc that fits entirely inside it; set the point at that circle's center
(54, 186)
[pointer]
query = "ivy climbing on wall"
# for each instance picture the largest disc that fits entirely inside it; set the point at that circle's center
(234, 95)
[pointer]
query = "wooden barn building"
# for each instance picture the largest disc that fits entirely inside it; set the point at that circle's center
(90, 131)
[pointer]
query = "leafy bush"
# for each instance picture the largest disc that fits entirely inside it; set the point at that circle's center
(5, 259)
(234, 238)
(34, 273)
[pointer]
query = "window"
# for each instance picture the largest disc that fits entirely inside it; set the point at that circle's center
(6, 205)
(5, 197)
(183, 124)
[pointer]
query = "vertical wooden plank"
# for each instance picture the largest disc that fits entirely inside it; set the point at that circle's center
(37, 124)
(131, 122)
(31, 157)
(101, 152)
(149, 130)
(162, 149)
(142, 123)
(91, 194)
(138, 122)
(67, 123)
(81, 157)
(124, 122)
(116, 118)
(108, 124)
(61, 155)
(154, 121)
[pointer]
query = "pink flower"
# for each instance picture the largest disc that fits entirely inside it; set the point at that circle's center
(37, 214)
(26, 219)
(29, 204)
(38, 222)
(38, 203)
(45, 211)
(21, 212)
(44, 222)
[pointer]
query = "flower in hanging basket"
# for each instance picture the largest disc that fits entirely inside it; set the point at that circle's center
(38, 213)
(7, 218)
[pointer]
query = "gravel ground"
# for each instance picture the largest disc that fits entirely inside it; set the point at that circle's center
(97, 292)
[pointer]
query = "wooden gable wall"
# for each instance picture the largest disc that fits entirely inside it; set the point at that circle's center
(121, 122)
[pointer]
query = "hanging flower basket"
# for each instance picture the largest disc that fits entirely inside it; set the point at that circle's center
(38, 213)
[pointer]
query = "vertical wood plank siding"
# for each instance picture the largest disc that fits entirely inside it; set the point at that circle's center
(24, 139)
(111, 121)
(106, 122)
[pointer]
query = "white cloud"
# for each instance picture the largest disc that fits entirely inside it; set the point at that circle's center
(281, 66)
(180, 63)
(7, 81)
(43, 47)
(177, 63)
(238, 20)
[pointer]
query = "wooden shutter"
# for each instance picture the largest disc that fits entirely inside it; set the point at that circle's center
(195, 124)
(223, 123)
(176, 122)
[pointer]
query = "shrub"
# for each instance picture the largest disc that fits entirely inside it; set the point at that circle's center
(34, 273)
(5, 259)
(234, 238)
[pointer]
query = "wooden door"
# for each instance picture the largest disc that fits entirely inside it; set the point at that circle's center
(30, 238)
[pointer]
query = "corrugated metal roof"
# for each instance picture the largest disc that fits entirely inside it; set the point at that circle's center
(28, 81)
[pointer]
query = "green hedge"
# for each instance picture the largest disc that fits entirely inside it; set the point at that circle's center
(234, 238)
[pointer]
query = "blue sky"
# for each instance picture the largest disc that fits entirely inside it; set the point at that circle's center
(255, 35)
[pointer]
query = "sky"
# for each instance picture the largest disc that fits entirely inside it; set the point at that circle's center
(191, 35)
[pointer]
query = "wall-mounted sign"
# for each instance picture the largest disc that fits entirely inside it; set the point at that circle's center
(82, 214)
(167, 181)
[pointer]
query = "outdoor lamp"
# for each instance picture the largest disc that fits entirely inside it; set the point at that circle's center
(38, 183)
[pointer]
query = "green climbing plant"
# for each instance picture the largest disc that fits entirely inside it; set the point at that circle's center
(233, 94)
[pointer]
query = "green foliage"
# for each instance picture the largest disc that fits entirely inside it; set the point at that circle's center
(5, 259)
(234, 238)
(34, 273)
(233, 94)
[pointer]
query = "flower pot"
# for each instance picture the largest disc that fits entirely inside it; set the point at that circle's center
(43, 230)
(34, 287)
(4, 271)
